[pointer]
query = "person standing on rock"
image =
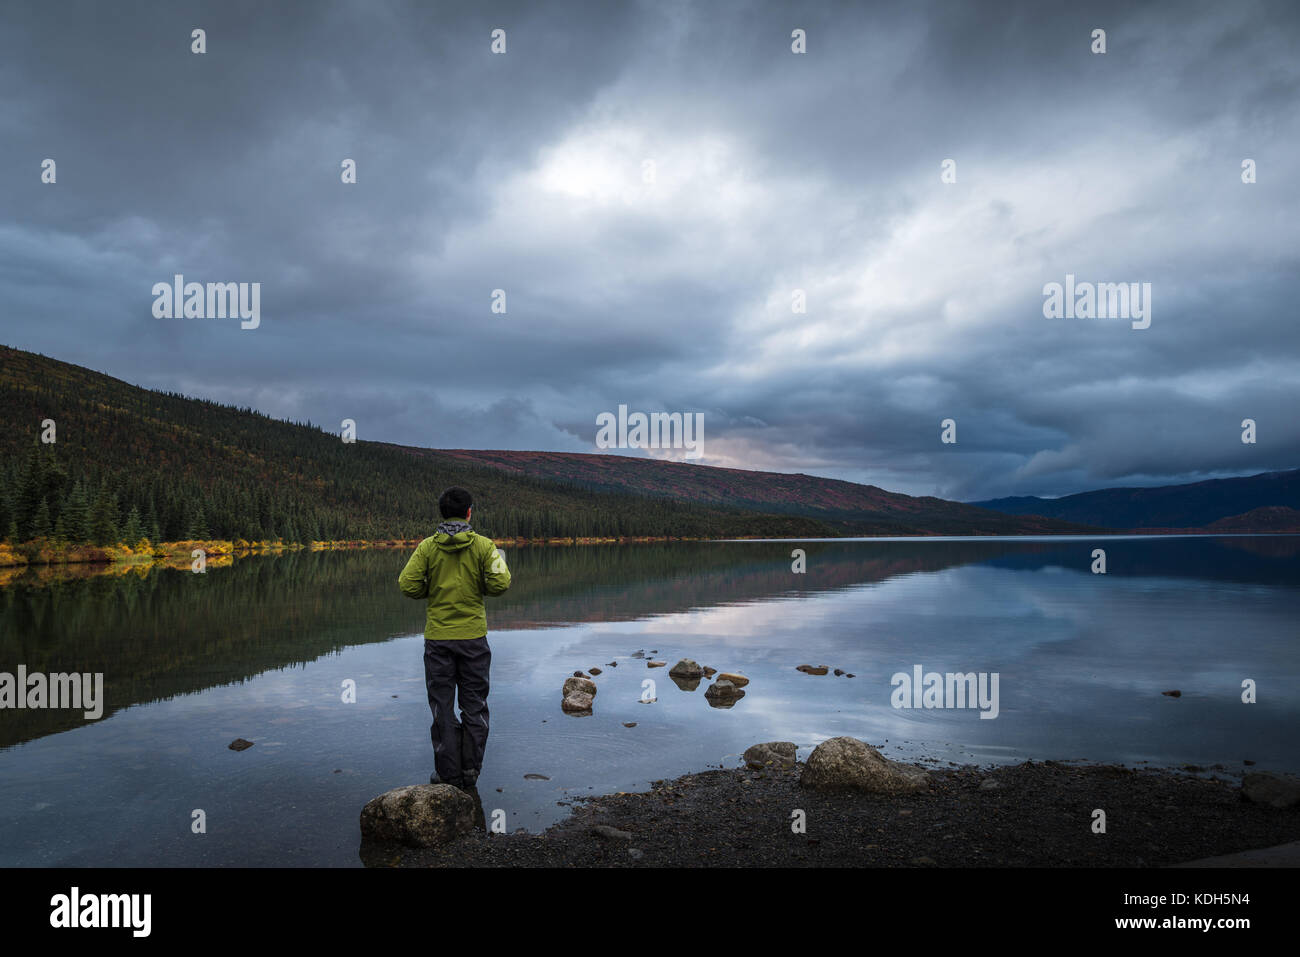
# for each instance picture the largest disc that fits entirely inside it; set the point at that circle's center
(453, 569)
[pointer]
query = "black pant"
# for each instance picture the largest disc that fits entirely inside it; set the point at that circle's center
(450, 667)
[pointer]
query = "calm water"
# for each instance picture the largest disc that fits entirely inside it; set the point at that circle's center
(260, 650)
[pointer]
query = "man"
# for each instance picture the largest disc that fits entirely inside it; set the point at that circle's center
(454, 568)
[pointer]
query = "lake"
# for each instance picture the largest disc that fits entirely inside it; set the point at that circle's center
(262, 649)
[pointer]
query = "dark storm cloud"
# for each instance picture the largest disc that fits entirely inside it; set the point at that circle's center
(774, 172)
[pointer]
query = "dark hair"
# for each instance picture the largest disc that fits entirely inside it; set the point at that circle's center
(455, 502)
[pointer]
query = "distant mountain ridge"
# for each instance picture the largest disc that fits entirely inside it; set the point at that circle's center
(1221, 504)
(846, 507)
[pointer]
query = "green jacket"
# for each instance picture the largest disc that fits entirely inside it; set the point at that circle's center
(454, 572)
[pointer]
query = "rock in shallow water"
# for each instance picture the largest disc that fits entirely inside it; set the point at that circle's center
(780, 753)
(813, 669)
(418, 815)
(239, 744)
(738, 680)
(579, 693)
(686, 668)
(723, 694)
(847, 764)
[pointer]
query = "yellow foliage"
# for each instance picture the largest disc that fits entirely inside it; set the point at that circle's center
(9, 557)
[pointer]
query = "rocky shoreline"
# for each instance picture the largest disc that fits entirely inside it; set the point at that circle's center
(1035, 814)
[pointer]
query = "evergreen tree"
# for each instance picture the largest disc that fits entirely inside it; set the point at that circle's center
(41, 521)
(151, 520)
(75, 515)
(103, 518)
(134, 529)
(198, 527)
(27, 495)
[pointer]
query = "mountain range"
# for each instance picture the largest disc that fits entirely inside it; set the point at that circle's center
(1269, 501)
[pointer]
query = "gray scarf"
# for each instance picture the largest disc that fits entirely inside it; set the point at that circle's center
(454, 526)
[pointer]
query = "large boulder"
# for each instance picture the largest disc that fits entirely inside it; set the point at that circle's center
(1275, 790)
(847, 764)
(418, 815)
(687, 668)
(578, 693)
(779, 753)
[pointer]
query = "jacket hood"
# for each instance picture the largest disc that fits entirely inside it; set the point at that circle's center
(453, 535)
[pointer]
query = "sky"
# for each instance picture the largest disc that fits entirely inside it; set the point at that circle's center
(653, 186)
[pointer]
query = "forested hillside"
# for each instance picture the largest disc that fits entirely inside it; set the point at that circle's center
(129, 463)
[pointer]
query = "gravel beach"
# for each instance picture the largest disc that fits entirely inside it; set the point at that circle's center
(1036, 814)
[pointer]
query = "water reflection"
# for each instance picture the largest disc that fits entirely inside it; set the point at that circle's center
(259, 650)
